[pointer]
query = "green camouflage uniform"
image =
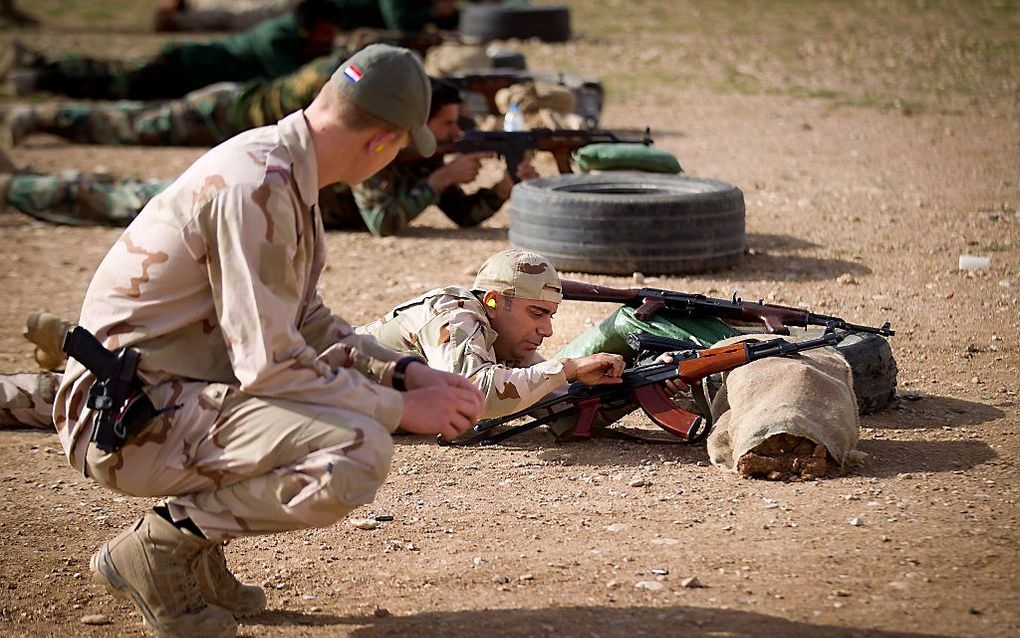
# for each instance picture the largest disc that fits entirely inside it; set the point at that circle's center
(81, 199)
(204, 117)
(277, 415)
(268, 50)
(393, 197)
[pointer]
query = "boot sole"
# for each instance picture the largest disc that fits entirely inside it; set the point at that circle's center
(105, 574)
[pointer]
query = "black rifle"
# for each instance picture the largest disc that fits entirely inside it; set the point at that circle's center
(643, 385)
(122, 409)
(648, 301)
(512, 145)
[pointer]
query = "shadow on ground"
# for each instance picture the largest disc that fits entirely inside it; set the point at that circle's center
(890, 458)
(927, 411)
(605, 622)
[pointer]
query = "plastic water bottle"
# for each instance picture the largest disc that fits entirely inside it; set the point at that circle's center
(513, 121)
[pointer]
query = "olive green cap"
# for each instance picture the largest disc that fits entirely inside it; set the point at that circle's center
(520, 273)
(390, 83)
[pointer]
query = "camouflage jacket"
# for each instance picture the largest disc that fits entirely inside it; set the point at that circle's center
(215, 281)
(448, 328)
(264, 102)
(394, 196)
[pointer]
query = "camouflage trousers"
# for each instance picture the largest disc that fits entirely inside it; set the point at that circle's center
(162, 76)
(27, 399)
(236, 465)
(200, 118)
(79, 198)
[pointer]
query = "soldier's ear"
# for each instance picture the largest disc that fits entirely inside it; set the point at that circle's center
(490, 301)
(381, 140)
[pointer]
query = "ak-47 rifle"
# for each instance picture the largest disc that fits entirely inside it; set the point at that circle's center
(648, 301)
(512, 146)
(644, 385)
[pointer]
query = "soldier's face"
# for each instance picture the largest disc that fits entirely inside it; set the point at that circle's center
(521, 325)
(445, 123)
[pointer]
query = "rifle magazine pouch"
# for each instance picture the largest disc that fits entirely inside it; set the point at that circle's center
(777, 411)
(625, 157)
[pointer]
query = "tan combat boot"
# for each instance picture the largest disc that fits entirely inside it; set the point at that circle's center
(221, 588)
(151, 563)
(47, 332)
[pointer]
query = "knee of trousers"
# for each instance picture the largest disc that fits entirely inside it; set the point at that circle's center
(360, 469)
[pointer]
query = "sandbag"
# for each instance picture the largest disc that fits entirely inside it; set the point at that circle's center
(807, 396)
(611, 334)
(622, 157)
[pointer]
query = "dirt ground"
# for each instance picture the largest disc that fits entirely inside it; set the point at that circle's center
(530, 538)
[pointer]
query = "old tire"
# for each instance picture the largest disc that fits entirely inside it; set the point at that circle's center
(500, 22)
(874, 368)
(621, 223)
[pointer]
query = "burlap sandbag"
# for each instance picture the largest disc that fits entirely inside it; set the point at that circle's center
(808, 395)
(453, 57)
(533, 96)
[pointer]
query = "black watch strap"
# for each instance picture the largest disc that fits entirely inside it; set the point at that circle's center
(400, 372)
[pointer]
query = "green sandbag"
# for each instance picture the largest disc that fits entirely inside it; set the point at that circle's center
(624, 157)
(611, 335)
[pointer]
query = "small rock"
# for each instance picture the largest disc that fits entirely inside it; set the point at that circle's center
(478, 560)
(501, 580)
(637, 481)
(617, 527)
(846, 279)
(363, 523)
(638, 279)
(856, 522)
(660, 571)
(383, 518)
(691, 582)
(95, 619)
(650, 585)
(526, 577)
(612, 584)
(381, 612)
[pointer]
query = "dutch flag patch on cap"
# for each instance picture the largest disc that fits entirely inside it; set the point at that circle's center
(352, 73)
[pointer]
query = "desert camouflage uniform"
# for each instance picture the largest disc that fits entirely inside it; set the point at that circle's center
(394, 196)
(265, 426)
(448, 328)
(204, 117)
(27, 399)
(268, 50)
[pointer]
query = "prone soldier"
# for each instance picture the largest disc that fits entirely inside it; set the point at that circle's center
(385, 203)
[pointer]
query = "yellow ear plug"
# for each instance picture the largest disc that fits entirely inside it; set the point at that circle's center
(491, 303)
(378, 149)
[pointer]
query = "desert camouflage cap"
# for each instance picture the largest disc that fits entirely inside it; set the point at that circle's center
(520, 273)
(390, 83)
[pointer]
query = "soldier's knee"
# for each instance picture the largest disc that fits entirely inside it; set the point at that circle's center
(362, 467)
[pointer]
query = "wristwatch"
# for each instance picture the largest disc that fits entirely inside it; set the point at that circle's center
(399, 378)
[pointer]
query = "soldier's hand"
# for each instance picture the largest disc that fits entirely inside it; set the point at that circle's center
(464, 168)
(525, 170)
(439, 402)
(673, 386)
(595, 369)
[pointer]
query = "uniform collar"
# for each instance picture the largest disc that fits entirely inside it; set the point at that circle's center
(296, 137)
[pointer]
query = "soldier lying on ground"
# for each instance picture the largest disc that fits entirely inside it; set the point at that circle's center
(301, 406)
(385, 203)
(489, 333)
(271, 49)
